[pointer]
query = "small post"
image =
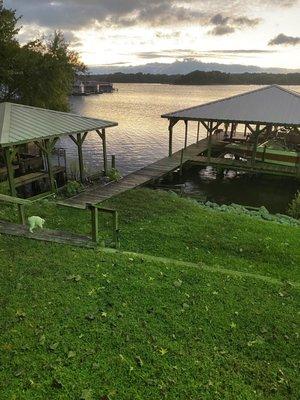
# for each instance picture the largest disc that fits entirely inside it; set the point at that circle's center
(210, 129)
(181, 162)
(198, 132)
(104, 152)
(95, 223)
(185, 134)
(170, 137)
(116, 230)
(80, 157)
(256, 135)
(298, 165)
(21, 214)
(10, 171)
(49, 164)
(113, 161)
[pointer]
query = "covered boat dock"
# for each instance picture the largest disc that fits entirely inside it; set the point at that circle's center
(256, 131)
(28, 136)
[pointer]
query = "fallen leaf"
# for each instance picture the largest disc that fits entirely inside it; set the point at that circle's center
(53, 346)
(87, 394)
(163, 351)
(71, 354)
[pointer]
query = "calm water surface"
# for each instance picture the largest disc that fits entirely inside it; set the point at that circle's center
(142, 135)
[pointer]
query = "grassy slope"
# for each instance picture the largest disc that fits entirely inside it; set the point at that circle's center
(157, 223)
(225, 337)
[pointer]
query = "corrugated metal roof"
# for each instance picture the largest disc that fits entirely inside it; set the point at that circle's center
(271, 104)
(21, 124)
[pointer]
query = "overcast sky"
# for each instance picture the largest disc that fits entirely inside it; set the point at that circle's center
(264, 33)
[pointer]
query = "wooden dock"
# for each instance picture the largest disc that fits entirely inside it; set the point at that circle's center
(98, 193)
(257, 167)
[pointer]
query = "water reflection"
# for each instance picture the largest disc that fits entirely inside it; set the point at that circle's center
(142, 135)
(142, 138)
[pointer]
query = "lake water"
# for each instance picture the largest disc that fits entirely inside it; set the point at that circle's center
(142, 135)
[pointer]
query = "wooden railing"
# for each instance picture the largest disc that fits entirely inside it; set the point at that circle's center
(20, 203)
(95, 210)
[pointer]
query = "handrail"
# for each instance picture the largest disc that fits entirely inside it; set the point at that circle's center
(20, 203)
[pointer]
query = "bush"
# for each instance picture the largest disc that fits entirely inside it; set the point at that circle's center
(114, 175)
(294, 207)
(72, 188)
(4, 188)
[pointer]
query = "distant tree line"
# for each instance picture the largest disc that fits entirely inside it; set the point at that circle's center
(203, 78)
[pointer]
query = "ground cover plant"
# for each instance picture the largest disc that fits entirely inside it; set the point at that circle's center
(216, 320)
(163, 224)
(79, 324)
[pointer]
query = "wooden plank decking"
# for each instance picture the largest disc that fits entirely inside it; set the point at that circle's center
(47, 235)
(257, 167)
(158, 169)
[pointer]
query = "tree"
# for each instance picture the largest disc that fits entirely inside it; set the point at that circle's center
(40, 73)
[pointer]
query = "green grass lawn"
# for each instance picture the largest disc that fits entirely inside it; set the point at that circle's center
(83, 324)
(161, 224)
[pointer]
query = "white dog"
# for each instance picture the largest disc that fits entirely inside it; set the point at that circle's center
(35, 222)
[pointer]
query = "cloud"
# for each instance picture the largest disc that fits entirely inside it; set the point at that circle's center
(222, 30)
(192, 54)
(167, 35)
(285, 40)
(224, 25)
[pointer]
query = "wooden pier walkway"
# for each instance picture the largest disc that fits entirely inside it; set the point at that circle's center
(98, 193)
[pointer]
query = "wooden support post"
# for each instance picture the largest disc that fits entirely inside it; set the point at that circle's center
(116, 230)
(95, 223)
(210, 131)
(198, 132)
(298, 165)
(49, 164)
(170, 138)
(103, 137)
(8, 151)
(185, 134)
(113, 161)
(80, 157)
(21, 214)
(172, 123)
(232, 131)
(254, 151)
(181, 162)
(79, 142)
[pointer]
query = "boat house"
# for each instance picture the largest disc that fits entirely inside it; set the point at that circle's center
(256, 131)
(28, 136)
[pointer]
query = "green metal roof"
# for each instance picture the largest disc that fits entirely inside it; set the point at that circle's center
(22, 124)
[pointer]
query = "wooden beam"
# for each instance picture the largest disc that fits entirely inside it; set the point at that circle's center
(171, 137)
(47, 153)
(254, 151)
(103, 137)
(186, 134)
(210, 132)
(80, 157)
(8, 151)
(198, 131)
(95, 224)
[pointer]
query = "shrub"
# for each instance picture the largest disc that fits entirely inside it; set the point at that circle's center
(294, 207)
(114, 175)
(72, 188)
(4, 188)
